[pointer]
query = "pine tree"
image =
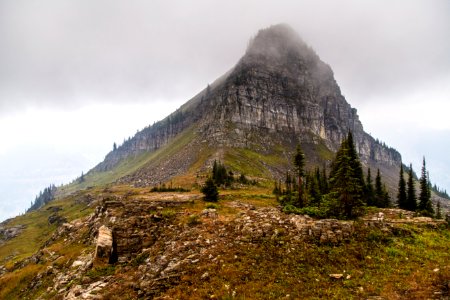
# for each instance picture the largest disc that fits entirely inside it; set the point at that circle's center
(323, 182)
(354, 160)
(369, 191)
(378, 190)
(299, 164)
(438, 210)
(346, 181)
(401, 196)
(386, 198)
(411, 191)
(425, 204)
(313, 187)
(209, 190)
(288, 183)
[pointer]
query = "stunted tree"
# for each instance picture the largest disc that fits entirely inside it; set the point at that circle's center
(411, 200)
(210, 191)
(401, 196)
(299, 164)
(425, 204)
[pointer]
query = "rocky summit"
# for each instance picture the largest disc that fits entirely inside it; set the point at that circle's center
(138, 226)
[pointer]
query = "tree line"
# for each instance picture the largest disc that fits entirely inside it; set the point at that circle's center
(220, 176)
(346, 191)
(44, 197)
(407, 198)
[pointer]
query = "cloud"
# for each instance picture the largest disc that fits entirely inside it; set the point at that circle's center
(68, 53)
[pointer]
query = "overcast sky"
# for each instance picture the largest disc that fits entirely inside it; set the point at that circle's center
(76, 76)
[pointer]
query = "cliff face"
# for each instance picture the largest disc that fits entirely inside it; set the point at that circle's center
(279, 89)
(281, 86)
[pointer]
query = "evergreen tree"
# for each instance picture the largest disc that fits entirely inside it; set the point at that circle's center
(369, 191)
(425, 204)
(313, 187)
(323, 182)
(386, 198)
(378, 190)
(346, 181)
(401, 196)
(299, 164)
(43, 198)
(411, 191)
(220, 174)
(209, 190)
(354, 160)
(276, 190)
(438, 210)
(288, 183)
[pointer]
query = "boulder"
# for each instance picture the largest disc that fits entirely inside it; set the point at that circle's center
(104, 247)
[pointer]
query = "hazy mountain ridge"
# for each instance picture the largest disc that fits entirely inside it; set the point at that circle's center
(279, 93)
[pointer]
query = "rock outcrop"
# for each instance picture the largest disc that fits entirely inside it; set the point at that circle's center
(104, 248)
(7, 233)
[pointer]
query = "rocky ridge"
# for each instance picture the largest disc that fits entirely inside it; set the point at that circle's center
(156, 242)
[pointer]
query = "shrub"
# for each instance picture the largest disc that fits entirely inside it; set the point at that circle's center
(212, 205)
(209, 190)
(168, 213)
(312, 211)
(193, 220)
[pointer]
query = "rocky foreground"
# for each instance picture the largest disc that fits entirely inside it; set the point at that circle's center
(175, 246)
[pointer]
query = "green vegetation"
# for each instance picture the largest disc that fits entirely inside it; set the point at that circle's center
(343, 195)
(411, 200)
(193, 220)
(209, 190)
(43, 198)
(98, 272)
(425, 206)
(382, 198)
(372, 264)
(299, 164)
(162, 188)
(131, 164)
(37, 228)
(401, 195)
(220, 176)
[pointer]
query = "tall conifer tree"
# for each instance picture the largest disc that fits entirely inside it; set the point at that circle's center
(299, 164)
(378, 190)
(411, 199)
(401, 196)
(369, 189)
(346, 181)
(438, 210)
(425, 204)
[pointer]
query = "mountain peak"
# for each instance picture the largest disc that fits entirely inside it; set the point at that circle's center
(277, 41)
(278, 95)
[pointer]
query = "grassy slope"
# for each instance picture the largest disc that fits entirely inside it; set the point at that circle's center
(37, 228)
(131, 164)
